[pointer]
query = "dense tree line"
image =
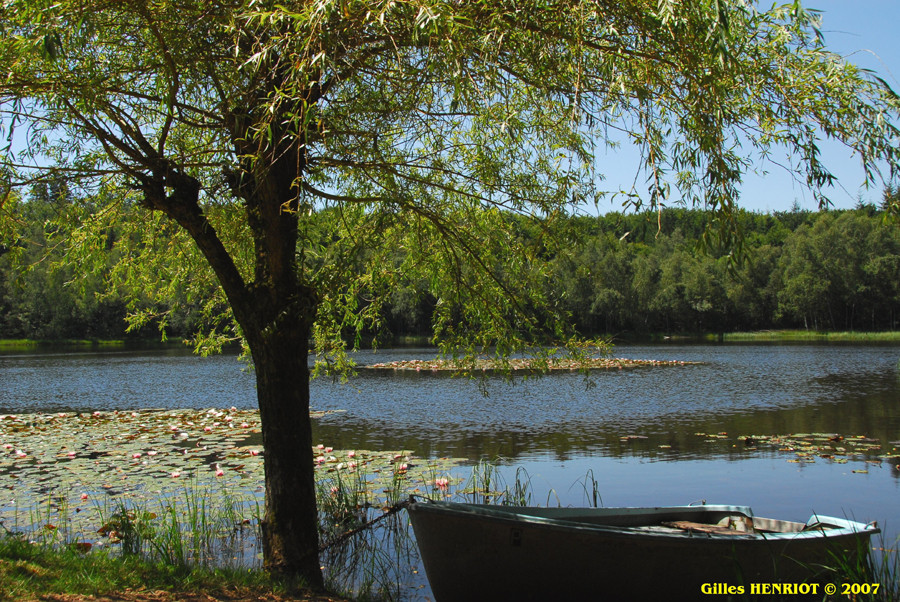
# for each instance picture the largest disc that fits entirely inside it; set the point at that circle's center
(618, 274)
(659, 272)
(55, 285)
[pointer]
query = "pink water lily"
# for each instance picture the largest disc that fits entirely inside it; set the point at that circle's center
(136, 455)
(84, 496)
(442, 483)
(351, 454)
(254, 452)
(176, 474)
(328, 450)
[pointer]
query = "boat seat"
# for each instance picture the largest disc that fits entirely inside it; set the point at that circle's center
(730, 528)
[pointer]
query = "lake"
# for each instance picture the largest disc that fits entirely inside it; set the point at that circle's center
(649, 435)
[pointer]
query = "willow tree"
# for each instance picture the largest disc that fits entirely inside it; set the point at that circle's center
(311, 151)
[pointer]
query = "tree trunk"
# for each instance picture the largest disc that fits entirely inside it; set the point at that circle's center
(276, 315)
(290, 525)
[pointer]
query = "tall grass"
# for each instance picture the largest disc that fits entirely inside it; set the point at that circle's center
(880, 565)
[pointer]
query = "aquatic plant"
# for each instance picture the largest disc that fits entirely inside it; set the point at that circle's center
(868, 575)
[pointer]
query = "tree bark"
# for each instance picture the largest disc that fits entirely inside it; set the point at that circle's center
(290, 524)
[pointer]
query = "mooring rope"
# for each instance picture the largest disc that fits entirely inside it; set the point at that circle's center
(366, 525)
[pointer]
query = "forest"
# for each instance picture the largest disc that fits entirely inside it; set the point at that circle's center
(615, 274)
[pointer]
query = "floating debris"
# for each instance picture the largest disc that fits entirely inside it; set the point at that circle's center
(521, 364)
(806, 447)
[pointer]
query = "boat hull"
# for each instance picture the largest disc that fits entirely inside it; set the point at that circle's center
(474, 552)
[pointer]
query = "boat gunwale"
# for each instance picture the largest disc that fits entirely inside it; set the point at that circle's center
(840, 527)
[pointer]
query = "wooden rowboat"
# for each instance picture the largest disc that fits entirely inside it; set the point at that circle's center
(482, 552)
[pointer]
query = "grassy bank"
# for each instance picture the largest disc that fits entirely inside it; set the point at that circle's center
(26, 344)
(812, 335)
(29, 571)
(76, 343)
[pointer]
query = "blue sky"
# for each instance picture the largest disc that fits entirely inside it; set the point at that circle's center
(866, 33)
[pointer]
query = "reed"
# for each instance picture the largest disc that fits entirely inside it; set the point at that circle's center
(869, 575)
(366, 553)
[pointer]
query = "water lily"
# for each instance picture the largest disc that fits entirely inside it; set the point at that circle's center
(84, 496)
(254, 452)
(328, 450)
(442, 483)
(351, 454)
(176, 474)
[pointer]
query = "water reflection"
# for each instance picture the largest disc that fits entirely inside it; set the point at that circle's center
(740, 389)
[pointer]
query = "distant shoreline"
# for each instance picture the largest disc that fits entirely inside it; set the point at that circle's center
(425, 341)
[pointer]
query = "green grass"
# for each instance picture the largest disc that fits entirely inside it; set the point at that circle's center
(811, 335)
(881, 566)
(30, 571)
(71, 343)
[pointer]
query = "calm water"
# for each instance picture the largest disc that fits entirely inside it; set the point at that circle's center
(560, 427)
